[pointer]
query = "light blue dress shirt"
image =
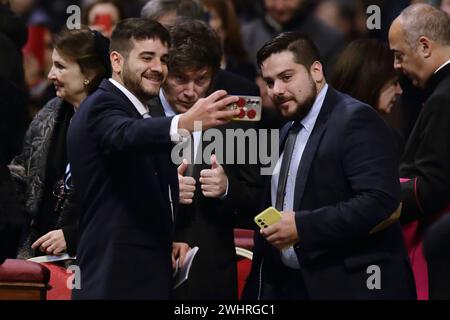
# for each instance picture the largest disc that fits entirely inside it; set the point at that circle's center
(168, 110)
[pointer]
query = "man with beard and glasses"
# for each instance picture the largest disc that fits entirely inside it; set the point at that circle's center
(336, 184)
(120, 161)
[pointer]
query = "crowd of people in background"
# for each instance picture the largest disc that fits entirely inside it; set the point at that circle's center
(81, 108)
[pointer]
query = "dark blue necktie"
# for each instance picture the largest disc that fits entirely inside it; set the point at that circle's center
(285, 163)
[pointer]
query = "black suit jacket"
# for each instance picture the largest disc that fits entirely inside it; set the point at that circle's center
(208, 223)
(435, 247)
(12, 216)
(347, 183)
(426, 160)
(12, 127)
(122, 168)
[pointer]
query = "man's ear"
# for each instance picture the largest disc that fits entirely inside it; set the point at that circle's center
(316, 72)
(117, 61)
(425, 46)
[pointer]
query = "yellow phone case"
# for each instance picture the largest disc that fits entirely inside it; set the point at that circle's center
(268, 217)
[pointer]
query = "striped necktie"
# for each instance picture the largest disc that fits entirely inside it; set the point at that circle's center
(68, 178)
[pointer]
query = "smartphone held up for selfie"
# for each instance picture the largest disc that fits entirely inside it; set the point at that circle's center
(249, 106)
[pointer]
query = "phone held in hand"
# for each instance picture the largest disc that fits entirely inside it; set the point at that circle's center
(249, 106)
(268, 217)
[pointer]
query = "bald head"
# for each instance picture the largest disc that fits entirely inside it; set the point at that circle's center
(424, 20)
(420, 40)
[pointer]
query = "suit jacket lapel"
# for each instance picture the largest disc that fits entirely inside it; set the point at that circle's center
(312, 145)
(267, 199)
(194, 169)
(108, 86)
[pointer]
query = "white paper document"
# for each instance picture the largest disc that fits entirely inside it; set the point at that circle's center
(42, 259)
(181, 273)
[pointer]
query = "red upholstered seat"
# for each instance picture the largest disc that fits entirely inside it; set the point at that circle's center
(243, 266)
(20, 279)
(243, 238)
(16, 270)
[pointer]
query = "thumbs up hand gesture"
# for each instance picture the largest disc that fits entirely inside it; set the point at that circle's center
(186, 184)
(213, 181)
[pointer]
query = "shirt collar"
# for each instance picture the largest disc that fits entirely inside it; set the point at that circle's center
(168, 110)
(140, 107)
(443, 65)
(309, 120)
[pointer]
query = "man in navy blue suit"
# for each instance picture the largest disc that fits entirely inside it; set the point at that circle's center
(336, 183)
(120, 160)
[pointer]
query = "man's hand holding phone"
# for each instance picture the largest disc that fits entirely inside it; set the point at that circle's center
(279, 228)
(249, 108)
(211, 111)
